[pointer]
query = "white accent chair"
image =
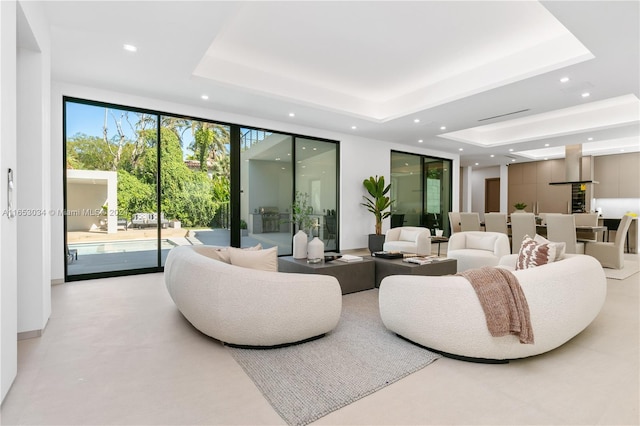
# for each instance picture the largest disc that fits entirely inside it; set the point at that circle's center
(251, 307)
(611, 255)
(443, 312)
(408, 239)
(469, 221)
(475, 249)
(562, 228)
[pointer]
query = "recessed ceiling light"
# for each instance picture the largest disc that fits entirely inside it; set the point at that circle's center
(353, 127)
(420, 141)
(289, 154)
(304, 147)
(204, 97)
(292, 114)
(564, 79)
(315, 149)
(283, 168)
(277, 158)
(130, 48)
(443, 127)
(510, 149)
(513, 160)
(589, 139)
(545, 158)
(477, 164)
(546, 144)
(586, 94)
(304, 167)
(492, 155)
(622, 150)
(406, 164)
(417, 120)
(460, 149)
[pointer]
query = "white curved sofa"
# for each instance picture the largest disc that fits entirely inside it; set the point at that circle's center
(443, 313)
(408, 239)
(248, 307)
(475, 249)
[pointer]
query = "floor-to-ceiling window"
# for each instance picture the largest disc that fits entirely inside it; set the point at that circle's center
(138, 183)
(111, 188)
(316, 179)
(421, 190)
(266, 164)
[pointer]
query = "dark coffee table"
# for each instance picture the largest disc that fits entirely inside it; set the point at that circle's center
(386, 267)
(352, 276)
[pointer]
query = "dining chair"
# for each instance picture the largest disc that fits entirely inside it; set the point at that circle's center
(496, 222)
(469, 221)
(586, 219)
(611, 255)
(562, 228)
(521, 224)
(454, 222)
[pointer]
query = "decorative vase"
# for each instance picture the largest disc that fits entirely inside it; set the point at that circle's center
(300, 245)
(315, 249)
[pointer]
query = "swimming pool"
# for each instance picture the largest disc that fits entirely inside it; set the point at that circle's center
(120, 246)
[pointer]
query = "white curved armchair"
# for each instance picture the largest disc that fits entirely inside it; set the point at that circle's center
(475, 249)
(408, 239)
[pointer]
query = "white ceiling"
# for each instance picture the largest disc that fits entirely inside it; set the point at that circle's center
(378, 66)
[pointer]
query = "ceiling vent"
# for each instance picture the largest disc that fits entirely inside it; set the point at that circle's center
(504, 115)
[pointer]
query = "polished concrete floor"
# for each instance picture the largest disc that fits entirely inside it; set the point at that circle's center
(116, 351)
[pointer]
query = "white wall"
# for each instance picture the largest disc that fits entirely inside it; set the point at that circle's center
(359, 159)
(8, 226)
(478, 177)
(33, 167)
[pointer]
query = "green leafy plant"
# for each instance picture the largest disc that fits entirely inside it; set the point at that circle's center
(301, 211)
(243, 224)
(520, 206)
(379, 202)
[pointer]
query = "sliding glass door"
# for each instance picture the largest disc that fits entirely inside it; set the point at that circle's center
(266, 181)
(111, 189)
(421, 189)
(139, 182)
(316, 180)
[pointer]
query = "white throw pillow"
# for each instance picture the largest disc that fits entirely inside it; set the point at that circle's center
(561, 248)
(481, 242)
(213, 252)
(263, 260)
(406, 235)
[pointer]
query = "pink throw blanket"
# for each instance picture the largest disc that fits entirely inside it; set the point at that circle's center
(503, 302)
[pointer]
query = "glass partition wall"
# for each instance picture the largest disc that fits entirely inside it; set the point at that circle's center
(421, 189)
(138, 183)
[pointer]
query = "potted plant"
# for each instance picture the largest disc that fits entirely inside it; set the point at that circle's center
(380, 205)
(301, 211)
(520, 207)
(243, 228)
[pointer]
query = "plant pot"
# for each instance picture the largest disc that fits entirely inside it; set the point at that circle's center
(376, 242)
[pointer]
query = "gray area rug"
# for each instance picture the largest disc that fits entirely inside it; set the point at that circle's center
(308, 381)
